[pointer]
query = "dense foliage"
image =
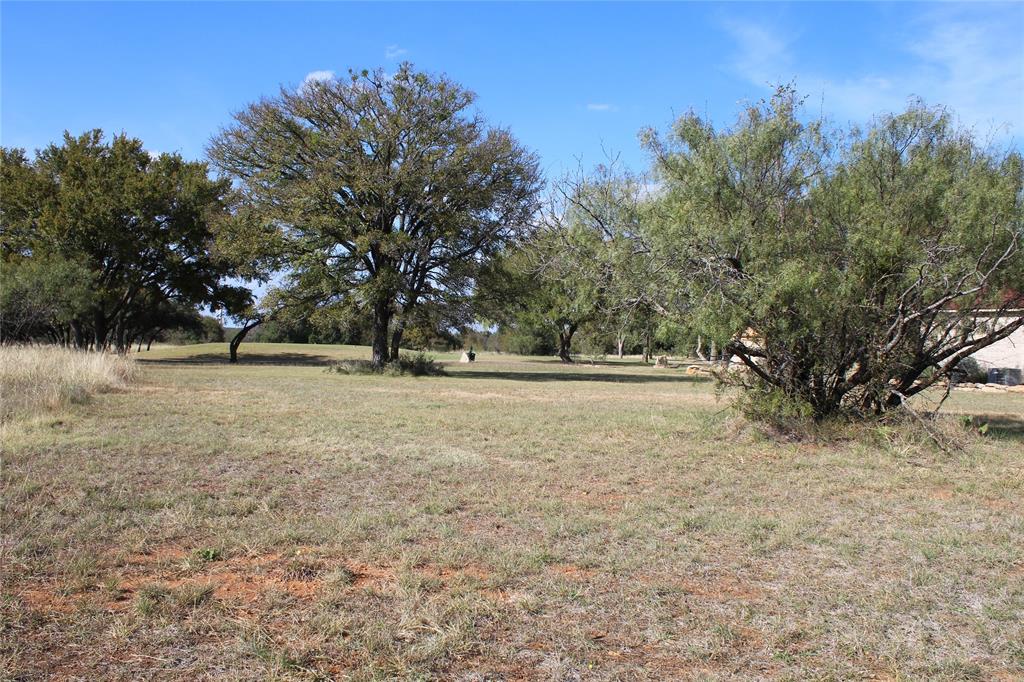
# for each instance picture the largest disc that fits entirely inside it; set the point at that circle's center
(379, 194)
(846, 272)
(102, 243)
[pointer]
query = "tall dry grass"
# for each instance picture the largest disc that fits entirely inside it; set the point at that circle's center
(37, 378)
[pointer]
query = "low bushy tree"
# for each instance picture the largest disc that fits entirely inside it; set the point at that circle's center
(848, 272)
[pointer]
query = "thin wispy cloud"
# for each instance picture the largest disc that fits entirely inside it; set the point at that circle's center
(967, 61)
(762, 54)
(394, 52)
(601, 107)
(316, 77)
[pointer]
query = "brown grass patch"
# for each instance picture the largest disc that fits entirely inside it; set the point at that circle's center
(367, 576)
(495, 527)
(725, 588)
(573, 571)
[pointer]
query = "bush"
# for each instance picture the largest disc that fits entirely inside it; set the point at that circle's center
(969, 371)
(775, 408)
(528, 340)
(49, 377)
(354, 367)
(830, 269)
(418, 365)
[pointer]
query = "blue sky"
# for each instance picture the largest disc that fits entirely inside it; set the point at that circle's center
(569, 79)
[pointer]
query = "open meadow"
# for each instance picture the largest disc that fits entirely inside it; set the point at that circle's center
(515, 520)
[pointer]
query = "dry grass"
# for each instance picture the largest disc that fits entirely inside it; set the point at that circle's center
(38, 378)
(516, 520)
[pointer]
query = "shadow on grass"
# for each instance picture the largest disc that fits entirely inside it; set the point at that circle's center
(570, 375)
(578, 362)
(1003, 426)
(303, 359)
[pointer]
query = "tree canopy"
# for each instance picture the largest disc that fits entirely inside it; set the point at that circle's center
(846, 272)
(845, 269)
(377, 192)
(122, 232)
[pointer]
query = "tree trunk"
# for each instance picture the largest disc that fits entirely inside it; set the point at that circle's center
(99, 331)
(619, 343)
(396, 337)
(565, 343)
(381, 320)
(119, 335)
(236, 341)
(77, 335)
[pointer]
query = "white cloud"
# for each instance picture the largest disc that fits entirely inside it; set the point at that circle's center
(316, 77)
(601, 107)
(394, 52)
(970, 62)
(762, 55)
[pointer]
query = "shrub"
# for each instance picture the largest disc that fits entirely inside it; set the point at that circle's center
(846, 269)
(353, 367)
(968, 370)
(774, 407)
(417, 365)
(35, 378)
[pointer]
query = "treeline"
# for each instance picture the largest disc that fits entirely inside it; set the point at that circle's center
(104, 245)
(844, 269)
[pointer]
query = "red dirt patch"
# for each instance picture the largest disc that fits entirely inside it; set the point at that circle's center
(724, 588)
(368, 576)
(447, 573)
(1000, 504)
(157, 555)
(718, 588)
(573, 571)
(496, 595)
(45, 598)
(234, 586)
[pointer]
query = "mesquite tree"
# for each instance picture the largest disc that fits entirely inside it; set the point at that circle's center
(568, 277)
(544, 287)
(849, 272)
(613, 207)
(377, 192)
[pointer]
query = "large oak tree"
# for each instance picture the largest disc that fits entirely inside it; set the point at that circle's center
(376, 192)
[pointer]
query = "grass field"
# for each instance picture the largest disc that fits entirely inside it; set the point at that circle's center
(516, 519)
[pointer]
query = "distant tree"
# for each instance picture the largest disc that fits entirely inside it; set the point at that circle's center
(376, 192)
(40, 297)
(213, 330)
(141, 226)
(163, 320)
(522, 338)
(545, 286)
(847, 273)
(592, 242)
